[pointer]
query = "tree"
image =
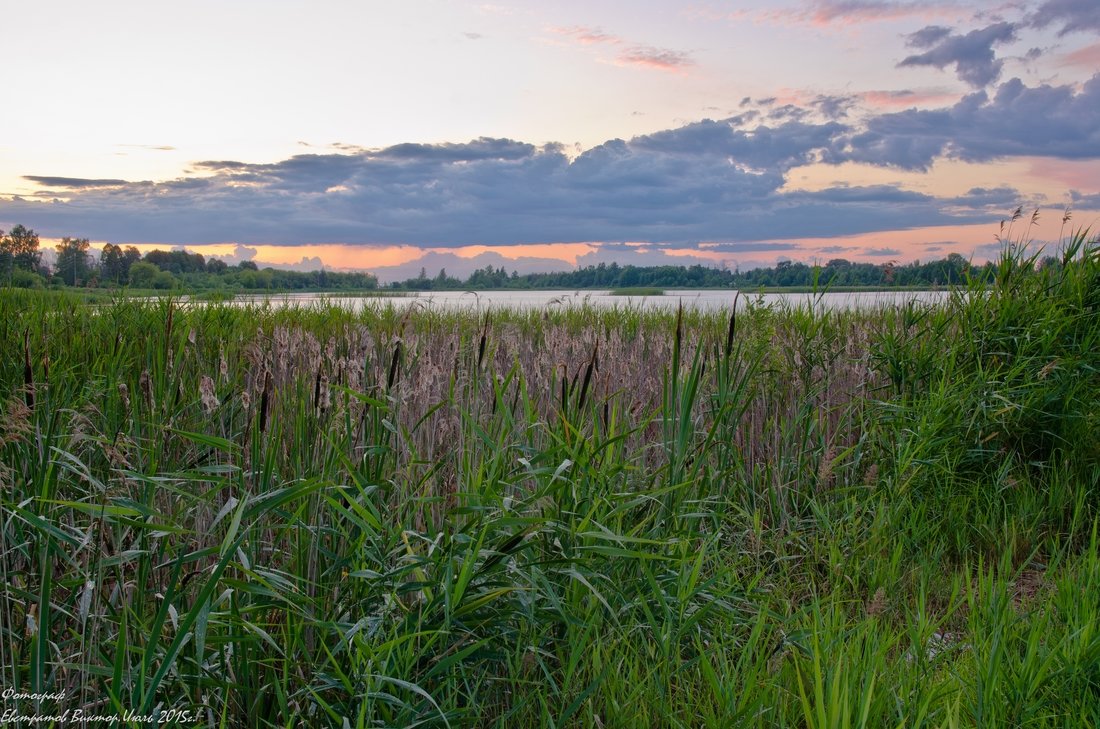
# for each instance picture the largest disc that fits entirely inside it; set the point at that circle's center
(72, 260)
(143, 274)
(111, 263)
(7, 258)
(130, 256)
(164, 280)
(23, 245)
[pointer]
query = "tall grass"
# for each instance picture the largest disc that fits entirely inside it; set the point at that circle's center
(282, 517)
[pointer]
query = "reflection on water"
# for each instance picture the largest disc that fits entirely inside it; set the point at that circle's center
(700, 299)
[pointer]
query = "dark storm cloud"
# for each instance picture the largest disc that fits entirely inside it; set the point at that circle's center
(1071, 15)
(971, 54)
(483, 148)
(72, 182)
(834, 107)
(1045, 121)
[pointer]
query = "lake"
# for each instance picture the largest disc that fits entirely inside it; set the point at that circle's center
(706, 299)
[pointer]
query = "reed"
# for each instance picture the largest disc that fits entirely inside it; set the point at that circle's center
(578, 517)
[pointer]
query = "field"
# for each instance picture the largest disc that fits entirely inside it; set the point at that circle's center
(618, 518)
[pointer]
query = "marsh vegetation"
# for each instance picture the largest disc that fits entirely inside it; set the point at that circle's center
(571, 517)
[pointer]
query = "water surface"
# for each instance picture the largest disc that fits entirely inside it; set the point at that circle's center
(703, 299)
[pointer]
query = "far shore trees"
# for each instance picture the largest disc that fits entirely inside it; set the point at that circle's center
(19, 251)
(72, 260)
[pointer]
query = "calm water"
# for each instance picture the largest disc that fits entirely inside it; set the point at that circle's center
(700, 299)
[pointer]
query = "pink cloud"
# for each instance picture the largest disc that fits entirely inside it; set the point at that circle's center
(630, 54)
(1087, 58)
(848, 13)
(587, 36)
(906, 99)
(655, 58)
(1080, 175)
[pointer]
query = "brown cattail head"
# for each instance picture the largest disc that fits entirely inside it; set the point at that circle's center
(124, 394)
(732, 331)
(146, 385)
(265, 401)
(207, 396)
(392, 378)
(825, 468)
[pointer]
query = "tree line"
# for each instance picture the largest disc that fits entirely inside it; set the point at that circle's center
(838, 272)
(21, 265)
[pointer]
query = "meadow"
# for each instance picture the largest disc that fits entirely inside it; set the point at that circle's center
(278, 517)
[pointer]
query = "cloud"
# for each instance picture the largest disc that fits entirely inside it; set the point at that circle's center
(1086, 58)
(824, 12)
(657, 58)
(242, 253)
(971, 54)
(881, 252)
(717, 182)
(152, 147)
(851, 13)
(1071, 15)
(73, 182)
(1042, 121)
(473, 36)
(1083, 201)
(906, 98)
(629, 54)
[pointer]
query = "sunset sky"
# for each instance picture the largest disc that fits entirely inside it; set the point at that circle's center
(543, 135)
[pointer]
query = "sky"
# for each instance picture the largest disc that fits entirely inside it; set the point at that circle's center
(540, 136)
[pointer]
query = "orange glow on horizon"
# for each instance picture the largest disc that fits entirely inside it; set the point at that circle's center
(567, 252)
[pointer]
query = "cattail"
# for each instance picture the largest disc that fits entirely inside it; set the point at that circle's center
(825, 468)
(732, 331)
(265, 401)
(326, 394)
(392, 378)
(191, 337)
(588, 375)
(207, 396)
(223, 367)
(146, 385)
(484, 339)
(564, 391)
(124, 394)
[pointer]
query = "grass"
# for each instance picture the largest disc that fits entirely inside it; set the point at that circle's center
(577, 517)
